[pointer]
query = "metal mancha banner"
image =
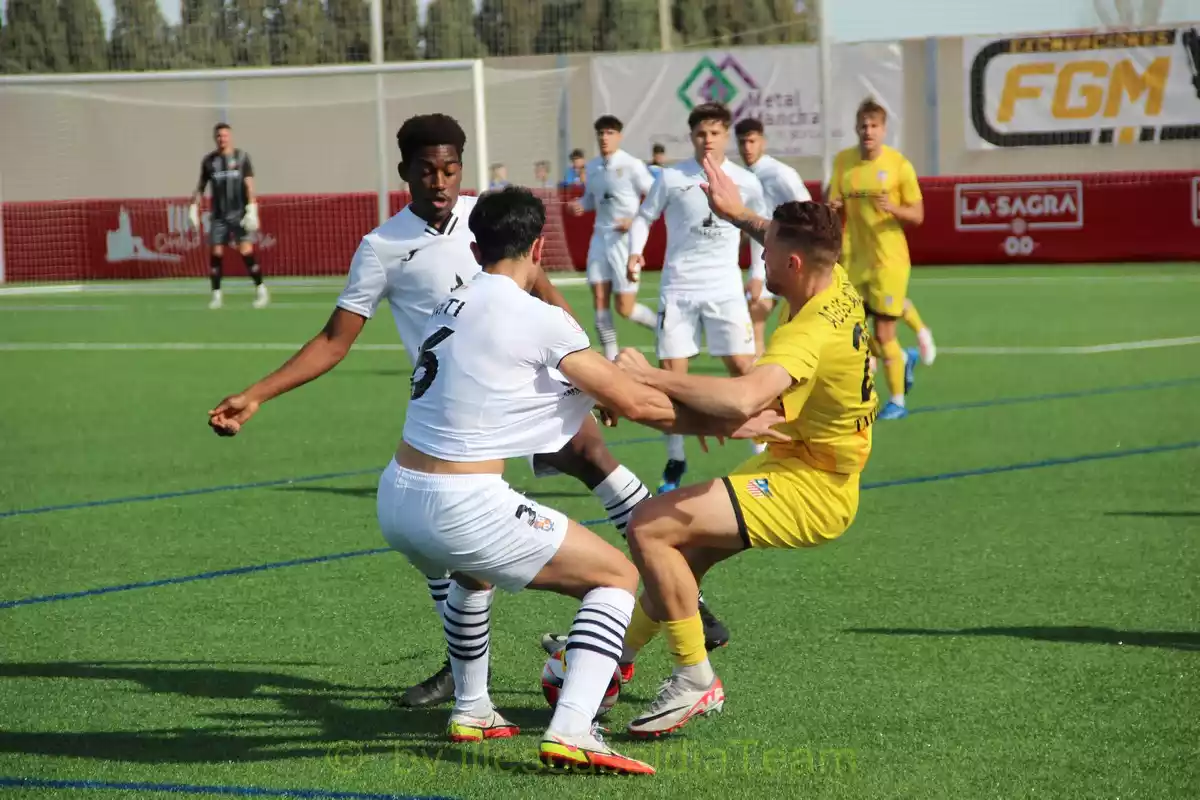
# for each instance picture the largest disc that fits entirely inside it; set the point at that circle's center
(652, 93)
(1125, 87)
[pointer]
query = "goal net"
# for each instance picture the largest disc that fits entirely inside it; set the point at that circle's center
(96, 170)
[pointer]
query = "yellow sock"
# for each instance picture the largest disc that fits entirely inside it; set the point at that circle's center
(911, 318)
(893, 365)
(685, 637)
(641, 629)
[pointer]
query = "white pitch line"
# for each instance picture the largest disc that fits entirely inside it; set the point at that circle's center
(1023, 280)
(1080, 350)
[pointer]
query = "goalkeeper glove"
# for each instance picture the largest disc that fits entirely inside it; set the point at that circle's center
(194, 215)
(250, 218)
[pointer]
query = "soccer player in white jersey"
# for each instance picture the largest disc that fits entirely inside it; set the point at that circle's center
(781, 184)
(615, 185)
(701, 285)
(489, 385)
(415, 260)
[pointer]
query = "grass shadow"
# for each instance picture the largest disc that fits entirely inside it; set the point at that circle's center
(1074, 634)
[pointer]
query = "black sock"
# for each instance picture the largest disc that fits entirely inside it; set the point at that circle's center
(253, 268)
(215, 268)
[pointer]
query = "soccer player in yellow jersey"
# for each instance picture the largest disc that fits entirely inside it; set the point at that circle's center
(801, 492)
(875, 188)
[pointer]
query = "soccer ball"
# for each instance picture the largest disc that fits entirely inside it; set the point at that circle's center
(554, 674)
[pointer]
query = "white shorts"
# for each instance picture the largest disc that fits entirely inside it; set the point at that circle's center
(608, 262)
(726, 324)
(475, 524)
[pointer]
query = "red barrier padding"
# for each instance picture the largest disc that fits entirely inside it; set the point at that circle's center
(968, 220)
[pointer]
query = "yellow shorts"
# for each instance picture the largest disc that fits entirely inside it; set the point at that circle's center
(885, 290)
(784, 502)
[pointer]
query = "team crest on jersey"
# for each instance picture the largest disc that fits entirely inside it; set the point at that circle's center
(758, 487)
(882, 176)
(620, 172)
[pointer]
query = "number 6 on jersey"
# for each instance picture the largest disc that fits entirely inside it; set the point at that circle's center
(427, 364)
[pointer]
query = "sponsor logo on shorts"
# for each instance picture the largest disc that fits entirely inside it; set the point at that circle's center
(758, 487)
(539, 522)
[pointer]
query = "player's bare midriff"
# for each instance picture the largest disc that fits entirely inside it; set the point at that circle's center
(409, 457)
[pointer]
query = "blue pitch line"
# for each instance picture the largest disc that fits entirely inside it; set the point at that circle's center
(999, 401)
(146, 498)
(203, 576)
(185, 788)
(942, 476)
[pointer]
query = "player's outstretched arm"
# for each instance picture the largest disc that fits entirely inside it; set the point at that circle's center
(615, 391)
(321, 354)
(726, 398)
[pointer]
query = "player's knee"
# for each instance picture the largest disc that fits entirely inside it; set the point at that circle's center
(624, 575)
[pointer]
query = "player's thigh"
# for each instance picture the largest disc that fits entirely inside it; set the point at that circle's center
(728, 329)
(586, 457)
(597, 262)
(582, 562)
(786, 503)
(617, 256)
(625, 302)
(218, 234)
(679, 329)
(886, 291)
(698, 516)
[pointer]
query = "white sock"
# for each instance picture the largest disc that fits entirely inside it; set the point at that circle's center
(467, 618)
(593, 647)
(675, 448)
(620, 493)
(438, 588)
(898, 399)
(642, 315)
(699, 675)
(607, 333)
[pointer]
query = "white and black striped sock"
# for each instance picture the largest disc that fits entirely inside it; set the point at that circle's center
(607, 333)
(438, 587)
(620, 493)
(593, 647)
(467, 621)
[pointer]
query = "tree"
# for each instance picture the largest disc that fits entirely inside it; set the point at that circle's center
(83, 28)
(401, 30)
(630, 25)
(34, 38)
(509, 27)
(450, 30)
(305, 36)
(140, 38)
(351, 23)
(691, 20)
(205, 35)
(252, 27)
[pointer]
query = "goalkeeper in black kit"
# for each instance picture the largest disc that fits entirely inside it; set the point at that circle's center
(234, 214)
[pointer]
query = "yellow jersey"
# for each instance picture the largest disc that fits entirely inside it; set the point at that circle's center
(832, 404)
(873, 239)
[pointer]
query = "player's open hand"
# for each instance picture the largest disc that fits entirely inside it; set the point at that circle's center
(576, 208)
(230, 414)
(724, 197)
(760, 427)
(634, 267)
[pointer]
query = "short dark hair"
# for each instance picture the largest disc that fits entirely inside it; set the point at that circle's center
(429, 130)
(506, 222)
(813, 228)
(221, 126)
(869, 108)
(747, 126)
(714, 112)
(609, 123)
(576, 153)
(658, 148)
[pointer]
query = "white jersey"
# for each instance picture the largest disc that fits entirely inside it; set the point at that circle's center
(615, 186)
(486, 384)
(412, 264)
(781, 184)
(702, 248)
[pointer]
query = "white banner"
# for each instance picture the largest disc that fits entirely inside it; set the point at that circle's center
(1076, 89)
(652, 93)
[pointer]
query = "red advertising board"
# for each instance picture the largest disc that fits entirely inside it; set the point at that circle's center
(968, 220)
